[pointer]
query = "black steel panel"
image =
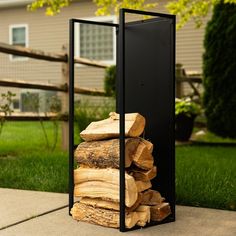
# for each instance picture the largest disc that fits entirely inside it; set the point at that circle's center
(146, 63)
(149, 90)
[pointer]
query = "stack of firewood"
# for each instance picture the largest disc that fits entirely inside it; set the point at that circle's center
(97, 177)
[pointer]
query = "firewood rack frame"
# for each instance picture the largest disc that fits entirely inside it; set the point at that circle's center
(146, 65)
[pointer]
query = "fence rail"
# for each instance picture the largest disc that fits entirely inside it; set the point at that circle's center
(50, 87)
(31, 116)
(192, 80)
(62, 57)
(46, 56)
(50, 57)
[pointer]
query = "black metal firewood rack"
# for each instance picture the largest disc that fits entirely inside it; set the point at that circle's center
(146, 84)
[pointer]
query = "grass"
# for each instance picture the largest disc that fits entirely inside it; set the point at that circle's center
(210, 137)
(35, 171)
(25, 161)
(205, 176)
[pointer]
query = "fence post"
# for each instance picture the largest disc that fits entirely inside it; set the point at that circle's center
(179, 73)
(65, 103)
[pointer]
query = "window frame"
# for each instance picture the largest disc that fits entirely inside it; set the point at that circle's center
(15, 26)
(112, 19)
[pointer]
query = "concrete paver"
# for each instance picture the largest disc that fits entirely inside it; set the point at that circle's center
(17, 205)
(190, 220)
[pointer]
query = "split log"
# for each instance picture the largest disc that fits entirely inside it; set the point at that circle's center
(136, 204)
(104, 183)
(144, 215)
(109, 128)
(142, 157)
(143, 185)
(100, 216)
(148, 144)
(151, 198)
(143, 175)
(160, 212)
(109, 218)
(97, 202)
(106, 153)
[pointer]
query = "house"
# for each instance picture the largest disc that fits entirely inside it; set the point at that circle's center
(37, 31)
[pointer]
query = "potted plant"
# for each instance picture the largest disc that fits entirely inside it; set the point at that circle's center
(185, 113)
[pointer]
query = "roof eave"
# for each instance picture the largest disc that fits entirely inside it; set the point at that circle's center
(14, 3)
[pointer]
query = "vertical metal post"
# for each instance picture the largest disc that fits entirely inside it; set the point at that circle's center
(71, 116)
(172, 168)
(121, 73)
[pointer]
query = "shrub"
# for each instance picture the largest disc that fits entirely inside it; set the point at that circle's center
(110, 81)
(85, 113)
(186, 107)
(219, 70)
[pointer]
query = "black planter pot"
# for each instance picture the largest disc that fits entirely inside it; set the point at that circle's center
(183, 127)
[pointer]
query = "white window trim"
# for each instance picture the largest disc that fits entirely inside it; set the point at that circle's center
(113, 19)
(11, 27)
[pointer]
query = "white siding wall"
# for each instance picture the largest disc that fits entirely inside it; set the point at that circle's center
(50, 33)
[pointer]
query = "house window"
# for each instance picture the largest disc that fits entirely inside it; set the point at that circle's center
(96, 42)
(29, 102)
(18, 37)
(16, 104)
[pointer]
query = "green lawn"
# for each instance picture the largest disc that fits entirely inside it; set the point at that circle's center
(210, 137)
(27, 163)
(205, 176)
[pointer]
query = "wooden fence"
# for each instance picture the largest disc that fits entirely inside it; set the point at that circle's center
(51, 57)
(181, 78)
(194, 81)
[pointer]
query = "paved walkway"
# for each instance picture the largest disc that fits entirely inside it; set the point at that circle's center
(27, 213)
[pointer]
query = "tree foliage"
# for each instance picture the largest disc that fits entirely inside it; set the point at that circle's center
(219, 70)
(110, 81)
(192, 9)
(104, 7)
(6, 100)
(52, 6)
(184, 9)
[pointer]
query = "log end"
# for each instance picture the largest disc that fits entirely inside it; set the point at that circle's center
(160, 212)
(138, 126)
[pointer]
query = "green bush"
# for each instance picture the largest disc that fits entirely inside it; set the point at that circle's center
(110, 81)
(186, 107)
(85, 113)
(219, 70)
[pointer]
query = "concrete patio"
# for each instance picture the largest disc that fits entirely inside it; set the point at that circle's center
(29, 213)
